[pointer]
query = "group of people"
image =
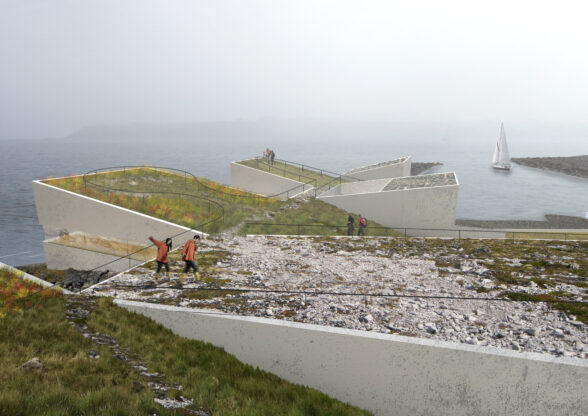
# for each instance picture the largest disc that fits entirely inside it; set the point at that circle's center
(361, 222)
(188, 252)
(269, 155)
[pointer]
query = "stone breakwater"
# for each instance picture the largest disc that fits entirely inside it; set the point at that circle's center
(572, 165)
(416, 268)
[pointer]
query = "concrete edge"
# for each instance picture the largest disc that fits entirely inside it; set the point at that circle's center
(456, 185)
(546, 358)
(366, 168)
(281, 177)
(202, 234)
(35, 279)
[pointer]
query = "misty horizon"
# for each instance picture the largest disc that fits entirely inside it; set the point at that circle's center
(69, 65)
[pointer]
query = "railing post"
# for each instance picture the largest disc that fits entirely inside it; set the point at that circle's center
(405, 233)
(299, 229)
(458, 235)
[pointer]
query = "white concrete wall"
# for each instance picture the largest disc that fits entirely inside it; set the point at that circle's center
(64, 210)
(347, 188)
(390, 374)
(265, 183)
(431, 208)
(62, 257)
(395, 170)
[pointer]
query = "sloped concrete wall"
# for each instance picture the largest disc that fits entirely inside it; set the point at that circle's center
(61, 257)
(395, 170)
(374, 185)
(390, 374)
(265, 183)
(58, 209)
(431, 208)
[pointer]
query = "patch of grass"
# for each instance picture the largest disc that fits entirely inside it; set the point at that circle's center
(73, 384)
(290, 171)
(216, 380)
(542, 282)
(209, 294)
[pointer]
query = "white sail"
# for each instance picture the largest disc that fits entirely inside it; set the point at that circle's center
(501, 158)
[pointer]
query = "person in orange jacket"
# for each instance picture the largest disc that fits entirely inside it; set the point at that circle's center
(162, 250)
(188, 256)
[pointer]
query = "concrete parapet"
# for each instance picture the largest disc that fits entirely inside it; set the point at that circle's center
(392, 169)
(428, 207)
(389, 374)
(266, 183)
(67, 213)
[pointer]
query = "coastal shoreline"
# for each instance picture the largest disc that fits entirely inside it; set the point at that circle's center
(571, 165)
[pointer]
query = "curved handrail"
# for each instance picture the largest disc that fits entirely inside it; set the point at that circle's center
(134, 191)
(319, 170)
(200, 183)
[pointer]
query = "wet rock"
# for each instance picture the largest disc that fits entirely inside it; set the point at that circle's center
(34, 364)
(431, 328)
(531, 331)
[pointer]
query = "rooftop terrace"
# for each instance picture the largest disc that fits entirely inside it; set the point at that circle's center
(424, 181)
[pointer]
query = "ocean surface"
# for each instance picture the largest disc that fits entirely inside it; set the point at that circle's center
(484, 193)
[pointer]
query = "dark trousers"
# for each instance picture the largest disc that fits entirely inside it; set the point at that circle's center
(160, 264)
(190, 265)
(350, 229)
(361, 230)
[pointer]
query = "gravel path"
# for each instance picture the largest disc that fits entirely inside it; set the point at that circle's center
(370, 266)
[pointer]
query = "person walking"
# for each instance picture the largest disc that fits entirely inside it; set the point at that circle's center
(162, 250)
(350, 224)
(362, 223)
(272, 157)
(188, 257)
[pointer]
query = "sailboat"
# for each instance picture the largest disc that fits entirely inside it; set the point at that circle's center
(501, 159)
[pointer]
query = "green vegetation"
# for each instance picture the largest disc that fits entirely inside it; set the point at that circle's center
(190, 201)
(18, 295)
(216, 380)
(73, 383)
(295, 172)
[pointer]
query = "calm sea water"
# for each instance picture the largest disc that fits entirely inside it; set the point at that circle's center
(484, 193)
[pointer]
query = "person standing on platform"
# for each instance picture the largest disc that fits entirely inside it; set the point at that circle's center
(162, 250)
(362, 223)
(188, 257)
(350, 224)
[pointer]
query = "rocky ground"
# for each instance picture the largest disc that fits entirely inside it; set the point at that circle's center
(572, 165)
(551, 222)
(390, 285)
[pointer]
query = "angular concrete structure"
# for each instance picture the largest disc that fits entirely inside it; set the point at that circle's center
(425, 202)
(393, 169)
(115, 232)
(389, 374)
(266, 183)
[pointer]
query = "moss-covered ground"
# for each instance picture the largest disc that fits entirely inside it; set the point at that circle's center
(192, 202)
(75, 384)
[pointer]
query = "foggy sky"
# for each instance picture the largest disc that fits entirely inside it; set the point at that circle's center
(68, 64)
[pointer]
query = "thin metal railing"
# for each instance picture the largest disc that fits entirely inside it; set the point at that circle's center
(405, 231)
